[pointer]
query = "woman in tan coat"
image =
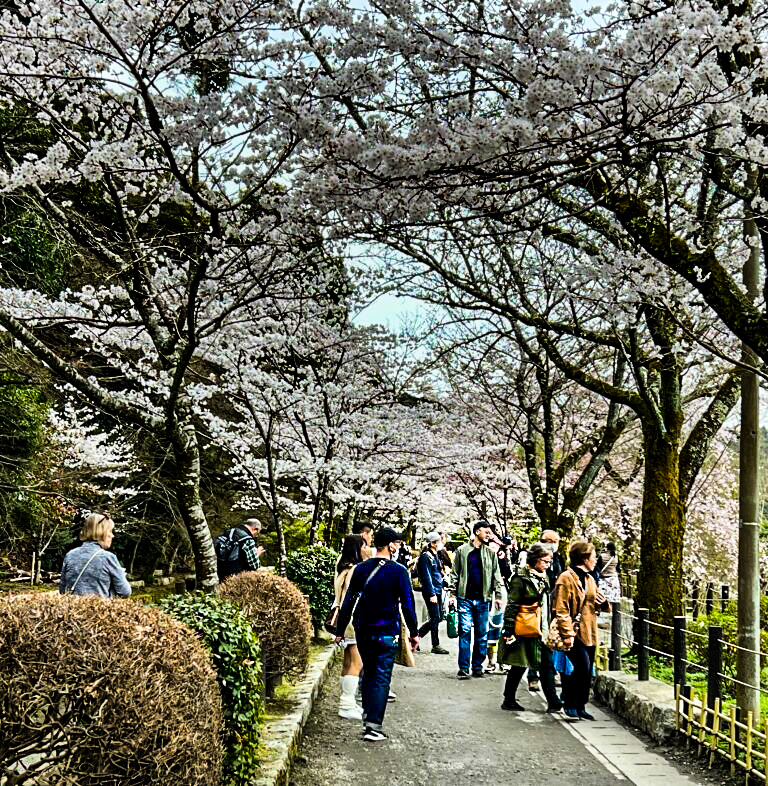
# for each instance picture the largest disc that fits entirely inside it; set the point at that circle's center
(351, 556)
(576, 602)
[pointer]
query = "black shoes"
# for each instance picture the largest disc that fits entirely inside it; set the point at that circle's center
(438, 650)
(512, 706)
(555, 707)
(478, 674)
(584, 715)
(463, 675)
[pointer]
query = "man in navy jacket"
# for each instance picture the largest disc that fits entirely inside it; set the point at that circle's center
(376, 621)
(431, 579)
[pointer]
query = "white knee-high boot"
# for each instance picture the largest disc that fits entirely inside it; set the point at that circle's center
(348, 708)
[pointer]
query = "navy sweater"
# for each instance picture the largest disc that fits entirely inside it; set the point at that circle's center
(377, 612)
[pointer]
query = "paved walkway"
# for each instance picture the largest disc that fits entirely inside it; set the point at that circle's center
(444, 732)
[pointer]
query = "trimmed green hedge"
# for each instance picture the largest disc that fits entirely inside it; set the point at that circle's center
(236, 651)
(312, 570)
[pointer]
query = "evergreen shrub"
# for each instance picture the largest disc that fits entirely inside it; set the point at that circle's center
(99, 693)
(312, 569)
(280, 615)
(228, 634)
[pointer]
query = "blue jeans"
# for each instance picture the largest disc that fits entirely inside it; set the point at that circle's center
(435, 611)
(473, 613)
(378, 656)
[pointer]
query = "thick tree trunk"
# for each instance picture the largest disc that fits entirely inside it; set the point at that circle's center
(190, 505)
(660, 584)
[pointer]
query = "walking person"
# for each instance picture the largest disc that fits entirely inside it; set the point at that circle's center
(351, 556)
(431, 580)
(90, 569)
(238, 551)
(529, 594)
(608, 568)
(550, 540)
(576, 602)
(478, 585)
(379, 588)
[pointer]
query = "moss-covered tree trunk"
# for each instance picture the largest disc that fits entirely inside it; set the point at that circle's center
(660, 583)
(187, 486)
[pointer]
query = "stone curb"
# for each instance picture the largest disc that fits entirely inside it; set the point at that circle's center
(281, 735)
(648, 706)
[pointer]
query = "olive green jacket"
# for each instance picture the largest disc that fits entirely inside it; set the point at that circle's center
(525, 589)
(493, 584)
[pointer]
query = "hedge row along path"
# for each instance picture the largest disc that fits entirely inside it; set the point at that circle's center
(444, 732)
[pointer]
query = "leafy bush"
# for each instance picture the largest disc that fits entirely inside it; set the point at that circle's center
(312, 570)
(237, 659)
(280, 615)
(95, 693)
(698, 646)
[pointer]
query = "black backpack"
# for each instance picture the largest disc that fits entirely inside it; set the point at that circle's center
(227, 547)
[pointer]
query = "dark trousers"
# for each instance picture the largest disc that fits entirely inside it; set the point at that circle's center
(547, 672)
(576, 685)
(435, 615)
(378, 656)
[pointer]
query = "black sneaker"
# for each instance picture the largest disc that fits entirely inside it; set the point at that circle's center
(554, 707)
(478, 674)
(512, 706)
(373, 735)
(462, 675)
(438, 650)
(584, 715)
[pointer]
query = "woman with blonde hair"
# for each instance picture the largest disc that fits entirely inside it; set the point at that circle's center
(90, 569)
(576, 603)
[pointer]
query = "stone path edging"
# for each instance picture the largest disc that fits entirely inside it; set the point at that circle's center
(648, 706)
(281, 736)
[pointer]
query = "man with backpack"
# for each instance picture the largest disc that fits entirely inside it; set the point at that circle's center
(237, 551)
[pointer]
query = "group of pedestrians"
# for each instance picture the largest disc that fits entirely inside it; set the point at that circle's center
(504, 615)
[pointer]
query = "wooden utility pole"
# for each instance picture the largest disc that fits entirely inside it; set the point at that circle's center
(747, 662)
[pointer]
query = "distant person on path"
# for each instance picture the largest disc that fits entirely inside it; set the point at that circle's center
(477, 584)
(365, 531)
(576, 602)
(238, 551)
(442, 553)
(379, 587)
(90, 569)
(431, 580)
(351, 556)
(608, 568)
(550, 540)
(529, 587)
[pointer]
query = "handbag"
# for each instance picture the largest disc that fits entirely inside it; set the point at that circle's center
(528, 621)
(405, 656)
(452, 622)
(330, 620)
(553, 640)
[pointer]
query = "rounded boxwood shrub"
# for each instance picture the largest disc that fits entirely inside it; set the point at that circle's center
(312, 569)
(280, 615)
(226, 632)
(94, 692)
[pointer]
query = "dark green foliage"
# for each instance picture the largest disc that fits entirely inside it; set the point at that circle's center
(104, 693)
(698, 646)
(312, 570)
(234, 644)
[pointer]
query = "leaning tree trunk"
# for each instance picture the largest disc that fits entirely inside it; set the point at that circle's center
(660, 583)
(187, 488)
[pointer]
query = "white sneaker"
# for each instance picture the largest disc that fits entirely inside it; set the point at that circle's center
(352, 713)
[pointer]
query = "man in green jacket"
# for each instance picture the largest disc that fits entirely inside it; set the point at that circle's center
(477, 582)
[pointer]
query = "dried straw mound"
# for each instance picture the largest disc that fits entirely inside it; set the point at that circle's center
(99, 692)
(280, 615)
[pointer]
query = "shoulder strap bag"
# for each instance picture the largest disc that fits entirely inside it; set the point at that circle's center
(333, 615)
(95, 554)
